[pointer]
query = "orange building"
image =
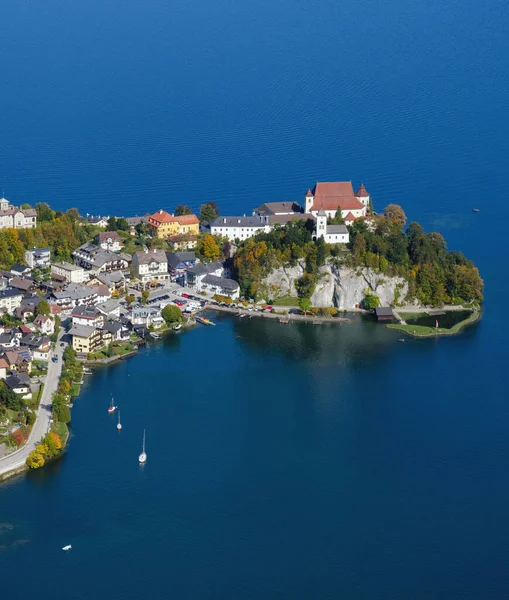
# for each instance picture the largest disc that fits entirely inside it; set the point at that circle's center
(164, 225)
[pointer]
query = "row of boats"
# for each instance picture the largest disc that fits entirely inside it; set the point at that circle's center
(142, 458)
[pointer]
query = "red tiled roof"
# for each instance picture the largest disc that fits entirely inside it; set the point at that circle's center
(349, 217)
(3, 364)
(187, 220)
(332, 195)
(309, 193)
(161, 216)
(362, 192)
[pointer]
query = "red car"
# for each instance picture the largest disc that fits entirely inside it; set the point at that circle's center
(268, 308)
(178, 303)
(184, 295)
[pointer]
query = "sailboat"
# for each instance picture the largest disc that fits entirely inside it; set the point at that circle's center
(111, 407)
(119, 425)
(143, 456)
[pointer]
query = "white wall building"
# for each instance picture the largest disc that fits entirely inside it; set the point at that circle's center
(240, 228)
(16, 218)
(72, 273)
(332, 234)
(150, 265)
(330, 196)
(38, 257)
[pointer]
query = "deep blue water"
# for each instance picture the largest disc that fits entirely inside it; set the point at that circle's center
(284, 462)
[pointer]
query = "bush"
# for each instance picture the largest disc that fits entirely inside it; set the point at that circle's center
(371, 301)
(35, 460)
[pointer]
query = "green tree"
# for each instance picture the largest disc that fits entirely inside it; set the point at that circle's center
(305, 304)
(337, 219)
(371, 301)
(43, 308)
(62, 413)
(183, 209)
(172, 314)
(35, 460)
(122, 224)
(73, 214)
(145, 294)
(112, 224)
(44, 212)
(10, 399)
(208, 212)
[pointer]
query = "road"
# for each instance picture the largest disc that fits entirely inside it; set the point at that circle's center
(41, 426)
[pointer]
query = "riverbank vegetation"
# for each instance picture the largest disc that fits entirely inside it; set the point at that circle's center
(424, 331)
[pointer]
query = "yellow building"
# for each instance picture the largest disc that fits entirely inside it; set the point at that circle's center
(87, 339)
(164, 225)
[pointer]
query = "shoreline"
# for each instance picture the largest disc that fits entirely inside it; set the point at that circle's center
(415, 331)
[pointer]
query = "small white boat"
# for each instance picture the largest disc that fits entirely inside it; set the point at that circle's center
(142, 458)
(111, 407)
(119, 425)
(66, 548)
(475, 210)
(177, 327)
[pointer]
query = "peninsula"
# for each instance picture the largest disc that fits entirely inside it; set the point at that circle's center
(77, 291)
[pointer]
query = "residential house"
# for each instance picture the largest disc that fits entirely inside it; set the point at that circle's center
(115, 280)
(146, 316)
(134, 221)
(20, 362)
(177, 268)
(108, 240)
(14, 217)
(119, 331)
(150, 266)
(102, 291)
(9, 339)
(199, 271)
(72, 273)
(163, 224)
(110, 308)
(279, 208)
(45, 324)
(10, 299)
(331, 196)
(20, 384)
(331, 234)
(20, 270)
(240, 228)
(39, 346)
(87, 315)
(184, 241)
(98, 221)
(87, 339)
(38, 257)
(219, 285)
(74, 295)
(97, 260)
(23, 283)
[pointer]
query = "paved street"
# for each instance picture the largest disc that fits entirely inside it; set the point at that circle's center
(41, 425)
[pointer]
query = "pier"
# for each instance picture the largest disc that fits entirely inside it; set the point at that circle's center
(283, 319)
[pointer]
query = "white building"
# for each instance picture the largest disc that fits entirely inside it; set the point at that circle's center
(38, 257)
(150, 266)
(109, 240)
(10, 299)
(15, 217)
(240, 228)
(87, 315)
(332, 234)
(97, 260)
(72, 273)
(330, 196)
(219, 285)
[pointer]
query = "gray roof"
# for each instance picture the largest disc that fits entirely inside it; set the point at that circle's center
(81, 331)
(253, 221)
(32, 340)
(186, 256)
(202, 268)
(18, 380)
(108, 306)
(10, 292)
(173, 260)
(85, 311)
(113, 277)
(133, 221)
(384, 311)
(336, 229)
(285, 219)
(67, 266)
(227, 284)
(113, 326)
(75, 291)
(272, 208)
(37, 251)
(152, 255)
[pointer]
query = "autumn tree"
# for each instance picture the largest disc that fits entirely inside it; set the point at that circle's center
(209, 248)
(394, 212)
(35, 460)
(145, 294)
(130, 298)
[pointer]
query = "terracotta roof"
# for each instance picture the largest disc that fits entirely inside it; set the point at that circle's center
(161, 216)
(187, 220)
(3, 364)
(332, 195)
(309, 193)
(362, 192)
(349, 217)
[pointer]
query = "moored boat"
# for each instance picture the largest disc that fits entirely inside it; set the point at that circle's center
(204, 321)
(177, 327)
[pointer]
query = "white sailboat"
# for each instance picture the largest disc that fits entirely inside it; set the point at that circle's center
(66, 548)
(111, 407)
(119, 425)
(143, 456)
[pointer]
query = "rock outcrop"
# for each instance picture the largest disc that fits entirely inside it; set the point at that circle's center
(341, 287)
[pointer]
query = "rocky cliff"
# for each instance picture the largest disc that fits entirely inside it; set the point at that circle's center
(341, 287)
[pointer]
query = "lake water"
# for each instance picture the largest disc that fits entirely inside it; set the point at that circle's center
(284, 461)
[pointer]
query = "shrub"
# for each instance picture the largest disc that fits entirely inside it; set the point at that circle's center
(35, 460)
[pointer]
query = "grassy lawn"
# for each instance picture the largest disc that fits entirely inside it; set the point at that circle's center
(286, 301)
(61, 429)
(75, 390)
(421, 331)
